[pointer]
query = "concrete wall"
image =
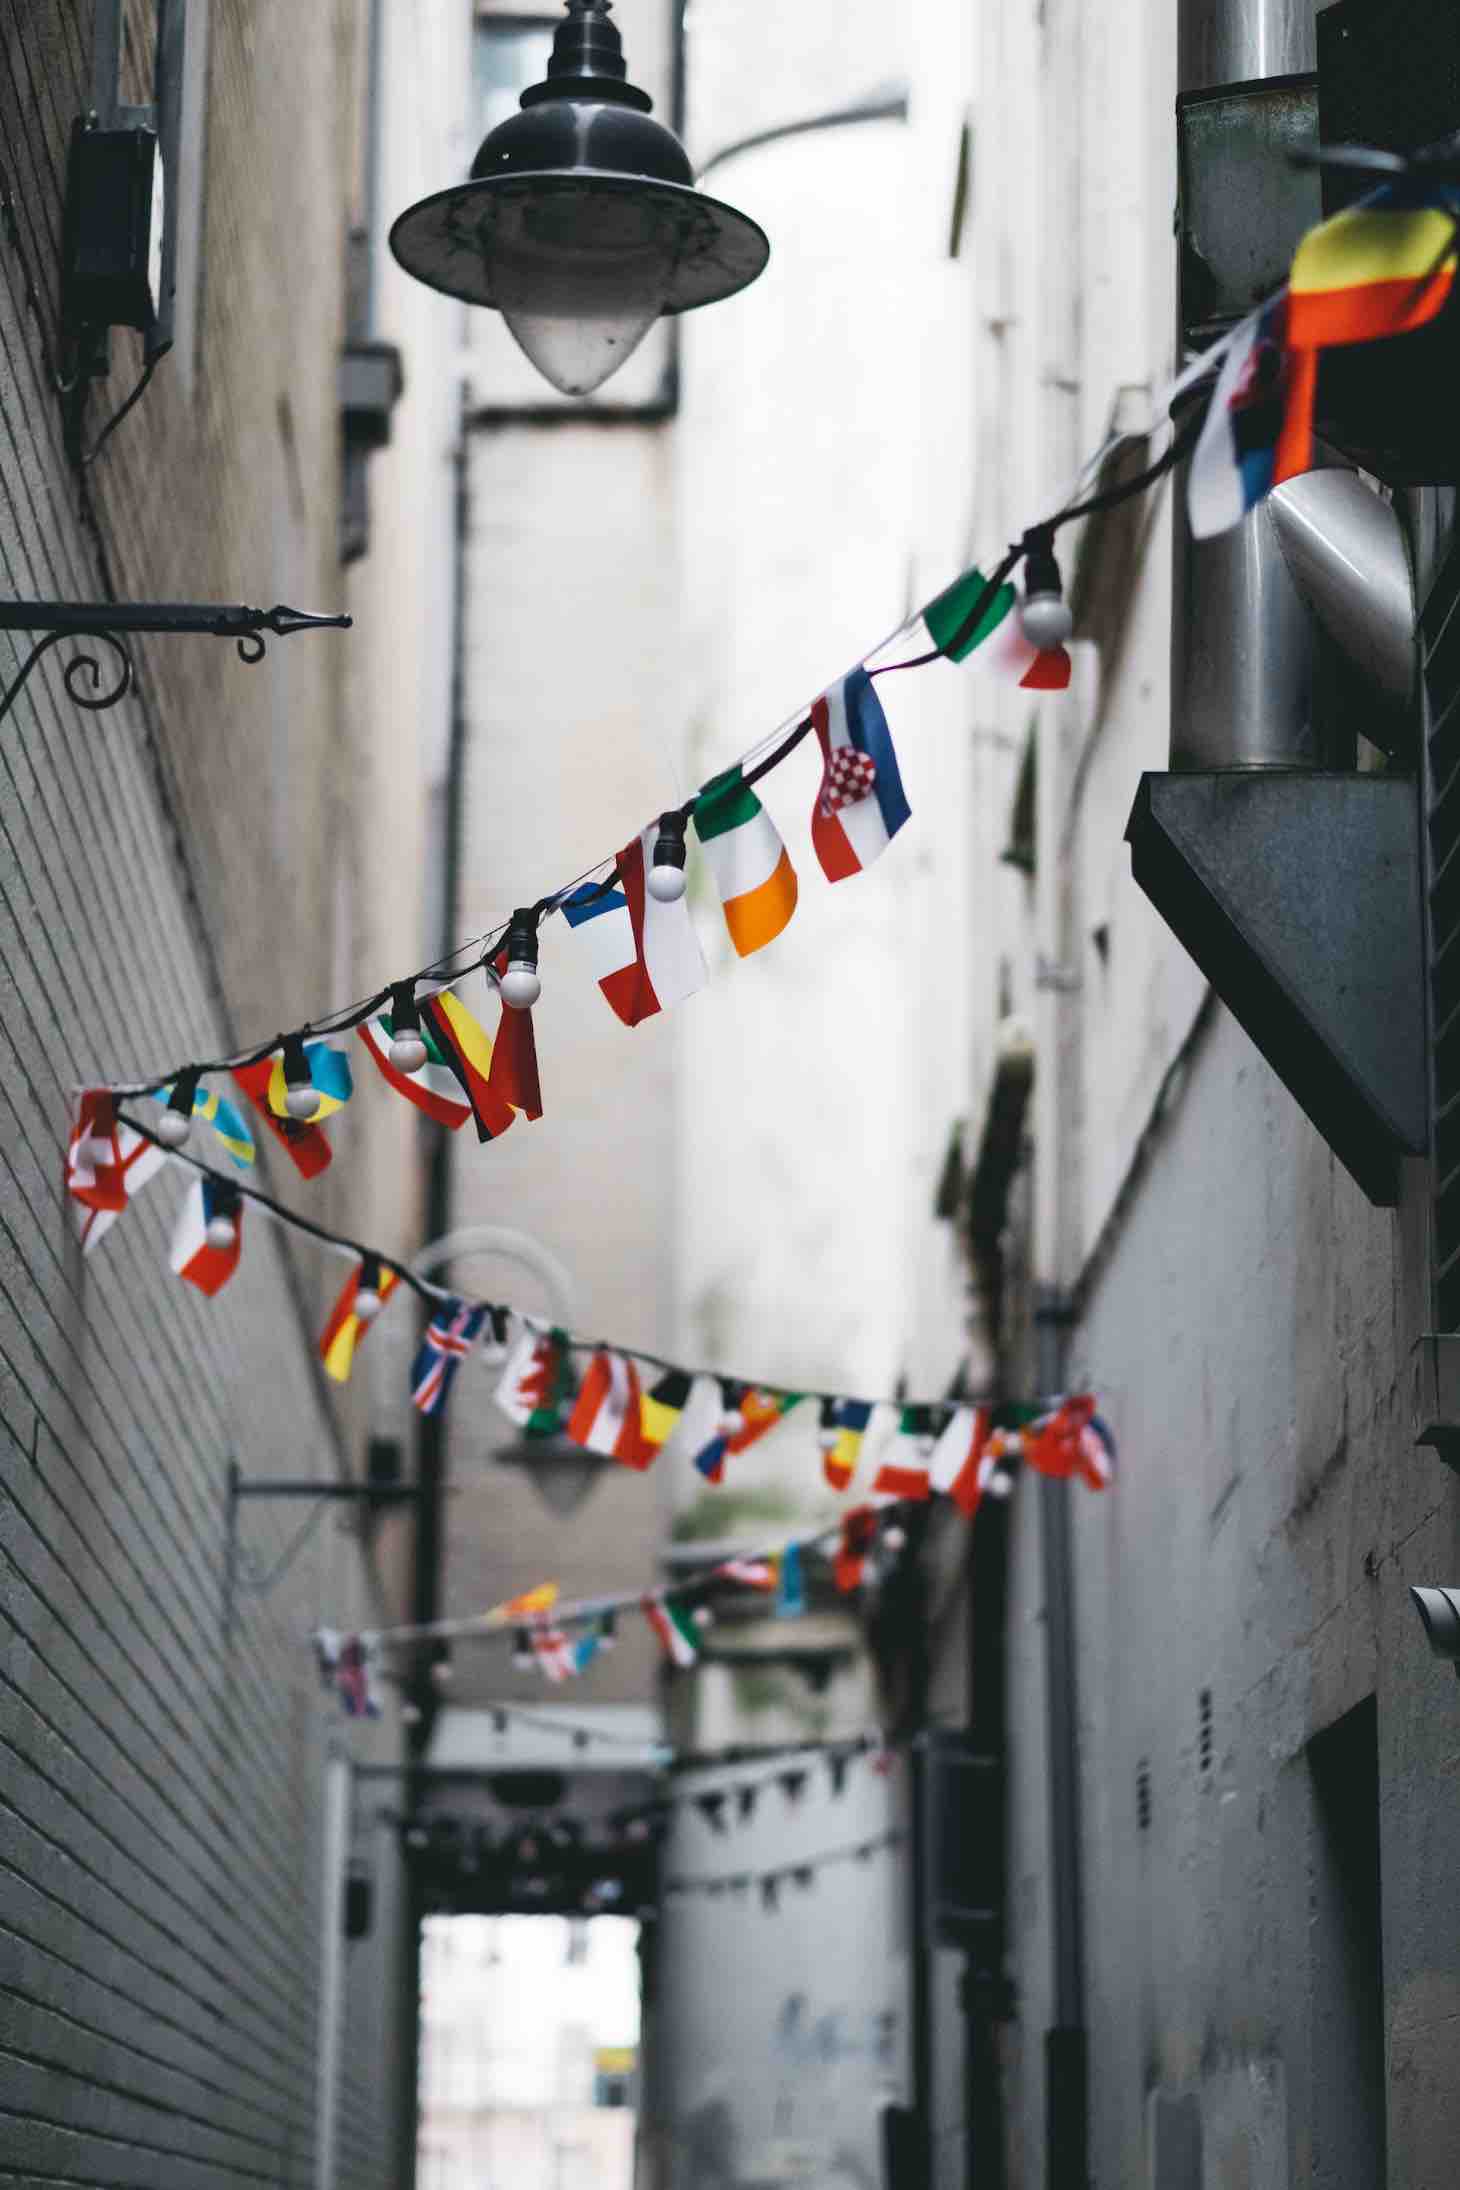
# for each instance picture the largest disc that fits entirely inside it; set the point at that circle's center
(179, 875)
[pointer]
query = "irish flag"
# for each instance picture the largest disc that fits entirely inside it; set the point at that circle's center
(1383, 267)
(861, 804)
(962, 1462)
(209, 1268)
(606, 1415)
(646, 955)
(675, 1629)
(755, 879)
(344, 1330)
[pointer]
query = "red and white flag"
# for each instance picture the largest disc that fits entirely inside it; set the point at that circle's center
(193, 1256)
(608, 1414)
(962, 1462)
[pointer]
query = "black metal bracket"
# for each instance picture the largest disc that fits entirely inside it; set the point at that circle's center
(374, 1494)
(113, 622)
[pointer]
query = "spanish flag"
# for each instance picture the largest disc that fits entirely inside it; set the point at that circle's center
(1383, 267)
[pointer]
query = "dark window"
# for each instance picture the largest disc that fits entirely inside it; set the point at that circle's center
(1347, 1979)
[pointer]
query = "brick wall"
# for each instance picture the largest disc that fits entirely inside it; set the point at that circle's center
(169, 883)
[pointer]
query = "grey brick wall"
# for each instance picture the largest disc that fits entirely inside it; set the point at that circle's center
(161, 1738)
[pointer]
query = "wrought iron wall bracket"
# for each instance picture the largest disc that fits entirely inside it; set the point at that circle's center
(112, 623)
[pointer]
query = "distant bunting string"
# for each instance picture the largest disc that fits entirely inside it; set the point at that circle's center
(800, 1874)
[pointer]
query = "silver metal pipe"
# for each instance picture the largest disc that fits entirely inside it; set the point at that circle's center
(1241, 639)
(1344, 548)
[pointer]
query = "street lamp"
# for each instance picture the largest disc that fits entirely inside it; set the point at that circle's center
(581, 224)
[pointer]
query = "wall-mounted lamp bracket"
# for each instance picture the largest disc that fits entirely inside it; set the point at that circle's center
(369, 1494)
(113, 622)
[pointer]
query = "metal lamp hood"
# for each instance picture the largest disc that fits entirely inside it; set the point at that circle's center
(581, 223)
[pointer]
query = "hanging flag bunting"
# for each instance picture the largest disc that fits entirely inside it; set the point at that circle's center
(861, 804)
(228, 1124)
(464, 1047)
(1034, 669)
(755, 879)
(791, 1594)
(1072, 1440)
(107, 1165)
(528, 1605)
(751, 1573)
(843, 1427)
(553, 1653)
(962, 1463)
(329, 1076)
(662, 1405)
(434, 1088)
(936, 629)
(537, 1384)
(513, 1073)
(451, 1335)
(646, 955)
(905, 1471)
(710, 1459)
(201, 1252)
(94, 1155)
(745, 1801)
(675, 1627)
(1385, 266)
(586, 1649)
(859, 1531)
(607, 1416)
(351, 1318)
(1258, 428)
(309, 1149)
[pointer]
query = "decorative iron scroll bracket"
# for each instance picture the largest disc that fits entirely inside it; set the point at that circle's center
(111, 623)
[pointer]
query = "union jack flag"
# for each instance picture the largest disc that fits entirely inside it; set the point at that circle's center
(453, 1332)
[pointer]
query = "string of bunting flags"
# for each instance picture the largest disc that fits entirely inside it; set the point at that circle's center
(801, 1874)
(1382, 268)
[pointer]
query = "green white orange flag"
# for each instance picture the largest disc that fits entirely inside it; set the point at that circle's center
(998, 638)
(755, 878)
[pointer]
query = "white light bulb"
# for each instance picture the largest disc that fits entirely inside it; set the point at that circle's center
(221, 1234)
(1046, 620)
(301, 1102)
(732, 1424)
(1000, 1484)
(894, 1538)
(828, 1440)
(492, 1354)
(410, 1715)
(703, 1616)
(173, 1128)
(367, 1304)
(667, 884)
(521, 987)
(407, 1052)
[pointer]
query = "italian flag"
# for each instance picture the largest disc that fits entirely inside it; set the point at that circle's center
(939, 629)
(755, 879)
(433, 1089)
(675, 1629)
(905, 1473)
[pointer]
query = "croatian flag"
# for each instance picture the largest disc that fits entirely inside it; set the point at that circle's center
(192, 1257)
(453, 1332)
(861, 804)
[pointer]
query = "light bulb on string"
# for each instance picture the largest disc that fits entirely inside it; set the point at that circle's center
(522, 1655)
(1044, 613)
(301, 1096)
(732, 1421)
(520, 985)
(667, 879)
(828, 1435)
(407, 1050)
(224, 1203)
(368, 1301)
(608, 1631)
(174, 1127)
(493, 1348)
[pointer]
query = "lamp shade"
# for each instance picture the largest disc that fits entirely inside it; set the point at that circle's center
(581, 223)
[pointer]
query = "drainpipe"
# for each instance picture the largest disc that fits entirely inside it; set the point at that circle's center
(1066, 2042)
(1241, 641)
(334, 1852)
